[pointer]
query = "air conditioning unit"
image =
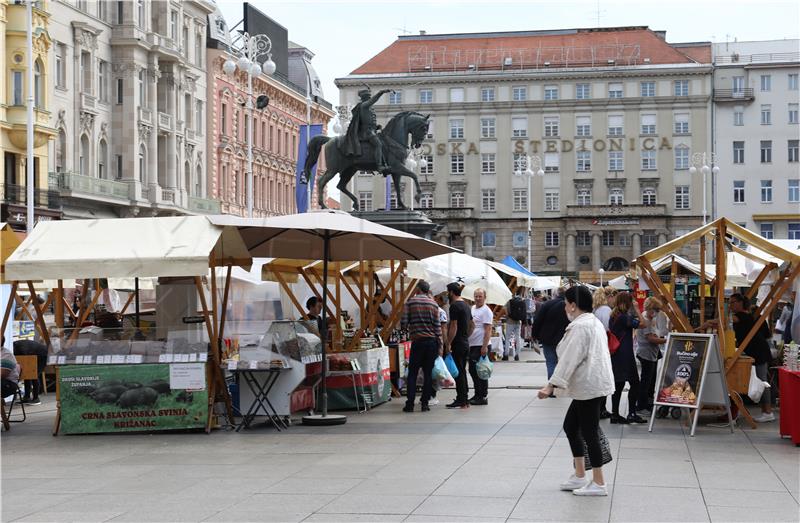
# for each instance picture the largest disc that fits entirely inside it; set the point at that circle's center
(547, 64)
(507, 60)
(646, 60)
(611, 61)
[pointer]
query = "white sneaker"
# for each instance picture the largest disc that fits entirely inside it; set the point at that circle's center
(574, 482)
(592, 489)
(764, 418)
(433, 401)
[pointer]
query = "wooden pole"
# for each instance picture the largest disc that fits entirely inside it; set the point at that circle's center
(397, 312)
(654, 281)
(760, 279)
(702, 287)
(84, 314)
(290, 294)
(7, 312)
(225, 294)
(720, 284)
(214, 315)
(39, 317)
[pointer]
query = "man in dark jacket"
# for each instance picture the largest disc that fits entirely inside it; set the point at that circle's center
(757, 348)
(549, 326)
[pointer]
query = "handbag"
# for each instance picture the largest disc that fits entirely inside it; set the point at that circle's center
(605, 448)
(613, 342)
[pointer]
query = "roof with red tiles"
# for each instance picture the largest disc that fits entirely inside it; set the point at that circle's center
(532, 49)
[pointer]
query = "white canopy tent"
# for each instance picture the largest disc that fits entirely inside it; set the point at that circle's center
(537, 283)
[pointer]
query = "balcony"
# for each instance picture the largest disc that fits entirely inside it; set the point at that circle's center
(168, 196)
(448, 213)
(165, 122)
(42, 198)
(80, 186)
(145, 115)
(88, 103)
(203, 206)
(615, 211)
(734, 95)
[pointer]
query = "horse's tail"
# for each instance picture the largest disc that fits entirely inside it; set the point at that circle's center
(312, 153)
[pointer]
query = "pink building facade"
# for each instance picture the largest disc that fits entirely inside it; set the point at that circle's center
(276, 137)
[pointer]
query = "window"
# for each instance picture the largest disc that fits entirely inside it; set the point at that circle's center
(584, 197)
(648, 196)
(488, 200)
(457, 199)
(551, 126)
(738, 152)
(520, 199)
(583, 91)
(198, 51)
(173, 25)
(519, 127)
(224, 124)
(38, 95)
(18, 96)
(120, 91)
(766, 191)
(456, 94)
(487, 127)
(519, 162)
(86, 72)
(426, 200)
(624, 239)
(365, 200)
(119, 166)
(793, 150)
(583, 161)
(793, 82)
(199, 122)
(738, 191)
(649, 239)
(766, 151)
(61, 64)
(682, 197)
(456, 164)
(738, 115)
(102, 80)
(61, 151)
(682, 123)
(766, 115)
(426, 96)
(681, 87)
(648, 160)
(487, 94)
(766, 82)
(608, 238)
(519, 93)
(456, 128)
(185, 46)
(615, 161)
(794, 191)
(83, 158)
(615, 90)
(395, 97)
(551, 162)
(102, 159)
(794, 231)
(551, 92)
(551, 239)
(649, 124)
(738, 85)
(487, 163)
(616, 196)
(142, 90)
(188, 112)
(120, 12)
(615, 125)
(488, 239)
(647, 89)
(583, 126)
(766, 231)
(551, 200)
(583, 239)
(681, 157)
(793, 113)
(428, 167)
(519, 239)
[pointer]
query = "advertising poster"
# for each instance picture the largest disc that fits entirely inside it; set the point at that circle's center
(130, 398)
(683, 370)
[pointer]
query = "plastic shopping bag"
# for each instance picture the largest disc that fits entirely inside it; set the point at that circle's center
(439, 369)
(484, 368)
(451, 365)
(757, 386)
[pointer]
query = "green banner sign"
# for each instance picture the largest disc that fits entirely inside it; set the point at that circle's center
(131, 398)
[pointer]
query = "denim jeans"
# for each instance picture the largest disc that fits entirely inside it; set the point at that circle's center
(550, 358)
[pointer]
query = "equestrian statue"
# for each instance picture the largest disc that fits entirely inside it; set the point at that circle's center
(367, 147)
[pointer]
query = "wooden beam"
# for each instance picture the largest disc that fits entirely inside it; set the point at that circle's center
(225, 293)
(362, 291)
(677, 243)
(761, 276)
(397, 312)
(702, 286)
(131, 296)
(59, 308)
(290, 294)
(679, 318)
(198, 282)
(384, 293)
(773, 292)
(721, 272)
(7, 312)
(84, 314)
(304, 273)
(39, 315)
(69, 309)
(214, 314)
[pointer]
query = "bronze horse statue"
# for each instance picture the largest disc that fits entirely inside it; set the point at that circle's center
(395, 139)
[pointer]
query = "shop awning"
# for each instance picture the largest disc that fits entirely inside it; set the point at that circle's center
(126, 248)
(517, 266)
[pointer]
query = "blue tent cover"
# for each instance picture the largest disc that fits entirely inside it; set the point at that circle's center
(514, 264)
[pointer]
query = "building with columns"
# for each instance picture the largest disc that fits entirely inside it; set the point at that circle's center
(129, 107)
(611, 115)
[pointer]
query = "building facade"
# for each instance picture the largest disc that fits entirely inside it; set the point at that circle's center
(129, 107)
(14, 117)
(757, 135)
(612, 116)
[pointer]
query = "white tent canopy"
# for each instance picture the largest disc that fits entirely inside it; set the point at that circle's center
(537, 283)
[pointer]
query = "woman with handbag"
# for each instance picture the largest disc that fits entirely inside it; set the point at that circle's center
(624, 319)
(584, 374)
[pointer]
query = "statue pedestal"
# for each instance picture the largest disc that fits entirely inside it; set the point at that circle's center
(413, 222)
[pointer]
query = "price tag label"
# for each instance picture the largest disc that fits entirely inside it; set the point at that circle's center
(192, 357)
(105, 359)
(51, 360)
(253, 365)
(79, 360)
(203, 356)
(62, 360)
(130, 358)
(162, 358)
(233, 364)
(87, 360)
(182, 358)
(117, 359)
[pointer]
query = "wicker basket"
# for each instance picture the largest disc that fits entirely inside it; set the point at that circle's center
(739, 375)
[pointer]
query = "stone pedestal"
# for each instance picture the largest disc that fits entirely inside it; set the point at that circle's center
(414, 222)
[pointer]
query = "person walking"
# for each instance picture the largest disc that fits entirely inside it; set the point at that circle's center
(650, 340)
(584, 374)
(458, 332)
(758, 348)
(602, 310)
(482, 318)
(421, 318)
(516, 313)
(624, 319)
(549, 326)
(439, 299)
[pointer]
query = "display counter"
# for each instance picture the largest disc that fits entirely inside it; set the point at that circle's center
(359, 378)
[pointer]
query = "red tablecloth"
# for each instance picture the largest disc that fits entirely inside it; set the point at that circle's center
(790, 404)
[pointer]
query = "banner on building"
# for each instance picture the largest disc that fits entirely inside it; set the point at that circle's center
(301, 189)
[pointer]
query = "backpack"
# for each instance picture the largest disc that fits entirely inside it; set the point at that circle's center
(517, 309)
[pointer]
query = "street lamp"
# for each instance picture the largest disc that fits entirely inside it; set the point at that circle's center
(702, 160)
(531, 163)
(252, 49)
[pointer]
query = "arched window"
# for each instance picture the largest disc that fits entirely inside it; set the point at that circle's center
(142, 163)
(102, 160)
(187, 176)
(61, 151)
(198, 182)
(84, 159)
(648, 196)
(616, 196)
(38, 95)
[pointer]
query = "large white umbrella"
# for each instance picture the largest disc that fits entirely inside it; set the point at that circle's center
(327, 235)
(474, 273)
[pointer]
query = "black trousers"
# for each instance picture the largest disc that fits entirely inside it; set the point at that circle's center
(580, 424)
(423, 355)
(648, 385)
(40, 351)
(481, 386)
(460, 356)
(633, 394)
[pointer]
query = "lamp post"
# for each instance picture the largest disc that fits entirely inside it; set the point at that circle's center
(252, 49)
(531, 163)
(29, 182)
(701, 160)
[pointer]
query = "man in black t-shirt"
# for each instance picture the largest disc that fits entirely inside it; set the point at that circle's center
(758, 348)
(314, 306)
(458, 342)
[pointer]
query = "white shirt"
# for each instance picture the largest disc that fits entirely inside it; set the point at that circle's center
(584, 368)
(480, 317)
(603, 314)
(442, 316)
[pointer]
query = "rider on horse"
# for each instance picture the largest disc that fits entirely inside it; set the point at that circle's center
(364, 127)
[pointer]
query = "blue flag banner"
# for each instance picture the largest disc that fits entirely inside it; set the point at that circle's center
(301, 189)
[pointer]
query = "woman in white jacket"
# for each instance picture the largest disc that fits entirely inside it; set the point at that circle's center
(584, 374)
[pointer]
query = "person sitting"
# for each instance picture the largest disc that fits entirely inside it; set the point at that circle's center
(9, 371)
(33, 387)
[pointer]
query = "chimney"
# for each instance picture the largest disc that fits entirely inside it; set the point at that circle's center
(422, 32)
(661, 34)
